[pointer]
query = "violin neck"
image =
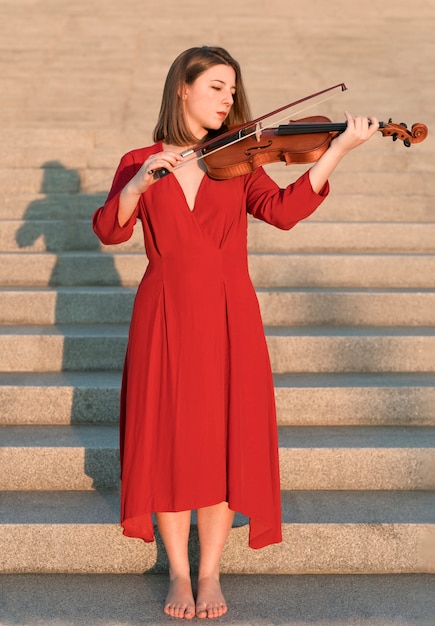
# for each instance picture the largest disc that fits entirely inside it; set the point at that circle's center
(300, 128)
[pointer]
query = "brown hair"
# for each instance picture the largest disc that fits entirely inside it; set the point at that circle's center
(171, 126)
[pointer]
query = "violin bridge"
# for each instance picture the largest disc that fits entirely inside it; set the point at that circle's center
(258, 129)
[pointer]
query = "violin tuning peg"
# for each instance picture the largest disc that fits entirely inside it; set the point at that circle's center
(403, 124)
(395, 136)
(390, 121)
(407, 143)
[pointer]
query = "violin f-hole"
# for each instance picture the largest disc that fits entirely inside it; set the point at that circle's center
(252, 151)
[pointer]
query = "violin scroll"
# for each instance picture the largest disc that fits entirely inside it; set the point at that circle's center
(400, 131)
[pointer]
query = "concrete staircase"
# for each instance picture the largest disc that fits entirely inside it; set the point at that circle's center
(348, 300)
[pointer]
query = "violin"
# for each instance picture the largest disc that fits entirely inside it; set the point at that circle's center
(299, 141)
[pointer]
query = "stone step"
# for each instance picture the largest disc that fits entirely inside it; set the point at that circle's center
(322, 458)
(302, 399)
(56, 206)
(339, 207)
(267, 270)
(279, 307)
(297, 349)
(59, 398)
(56, 178)
(350, 270)
(343, 237)
(257, 600)
(77, 235)
(68, 305)
(54, 149)
(359, 349)
(323, 533)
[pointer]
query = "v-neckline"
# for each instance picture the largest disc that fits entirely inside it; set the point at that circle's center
(189, 208)
(193, 208)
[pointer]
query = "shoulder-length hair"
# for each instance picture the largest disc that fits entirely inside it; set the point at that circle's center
(171, 126)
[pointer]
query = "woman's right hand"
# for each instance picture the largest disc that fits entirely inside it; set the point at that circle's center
(142, 180)
(167, 159)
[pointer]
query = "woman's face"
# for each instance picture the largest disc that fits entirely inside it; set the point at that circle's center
(208, 100)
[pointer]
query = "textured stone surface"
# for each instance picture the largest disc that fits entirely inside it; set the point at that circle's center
(323, 533)
(253, 600)
(351, 289)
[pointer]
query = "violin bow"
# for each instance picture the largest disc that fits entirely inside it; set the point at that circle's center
(238, 129)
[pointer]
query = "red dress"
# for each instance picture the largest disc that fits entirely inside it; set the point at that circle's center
(198, 423)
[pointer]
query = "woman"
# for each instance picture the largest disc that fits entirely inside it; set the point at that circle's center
(198, 424)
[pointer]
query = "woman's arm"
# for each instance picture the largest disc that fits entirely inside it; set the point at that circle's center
(129, 196)
(359, 130)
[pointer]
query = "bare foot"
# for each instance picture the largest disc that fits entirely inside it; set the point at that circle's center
(210, 601)
(179, 601)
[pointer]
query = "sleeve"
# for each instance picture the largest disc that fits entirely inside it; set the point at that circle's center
(105, 219)
(282, 208)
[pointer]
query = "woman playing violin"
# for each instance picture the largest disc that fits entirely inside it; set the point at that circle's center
(198, 425)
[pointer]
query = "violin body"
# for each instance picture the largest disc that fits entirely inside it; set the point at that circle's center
(299, 141)
(254, 151)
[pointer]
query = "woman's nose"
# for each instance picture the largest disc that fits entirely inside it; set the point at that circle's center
(228, 98)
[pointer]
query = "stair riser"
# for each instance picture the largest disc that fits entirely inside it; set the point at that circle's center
(301, 469)
(58, 405)
(55, 179)
(59, 468)
(77, 235)
(328, 271)
(352, 354)
(267, 271)
(357, 468)
(306, 549)
(292, 354)
(59, 307)
(338, 406)
(277, 308)
(339, 207)
(55, 206)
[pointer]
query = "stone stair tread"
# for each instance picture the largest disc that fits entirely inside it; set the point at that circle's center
(298, 507)
(354, 379)
(293, 380)
(254, 600)
(350, 331)
(116, 330)
(71, 330)
(357, 437)
(298, 437)
(61, 379)
(47, 436)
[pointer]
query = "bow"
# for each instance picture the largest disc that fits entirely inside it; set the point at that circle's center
(239, 129)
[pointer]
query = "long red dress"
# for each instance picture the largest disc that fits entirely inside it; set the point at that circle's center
(198, 423)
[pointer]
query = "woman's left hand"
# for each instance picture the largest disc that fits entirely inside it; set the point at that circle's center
(358, 131)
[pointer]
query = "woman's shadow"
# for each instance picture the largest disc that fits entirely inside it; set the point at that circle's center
(85, 280)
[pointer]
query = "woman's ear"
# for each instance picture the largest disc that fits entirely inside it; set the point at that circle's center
(182, 91)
